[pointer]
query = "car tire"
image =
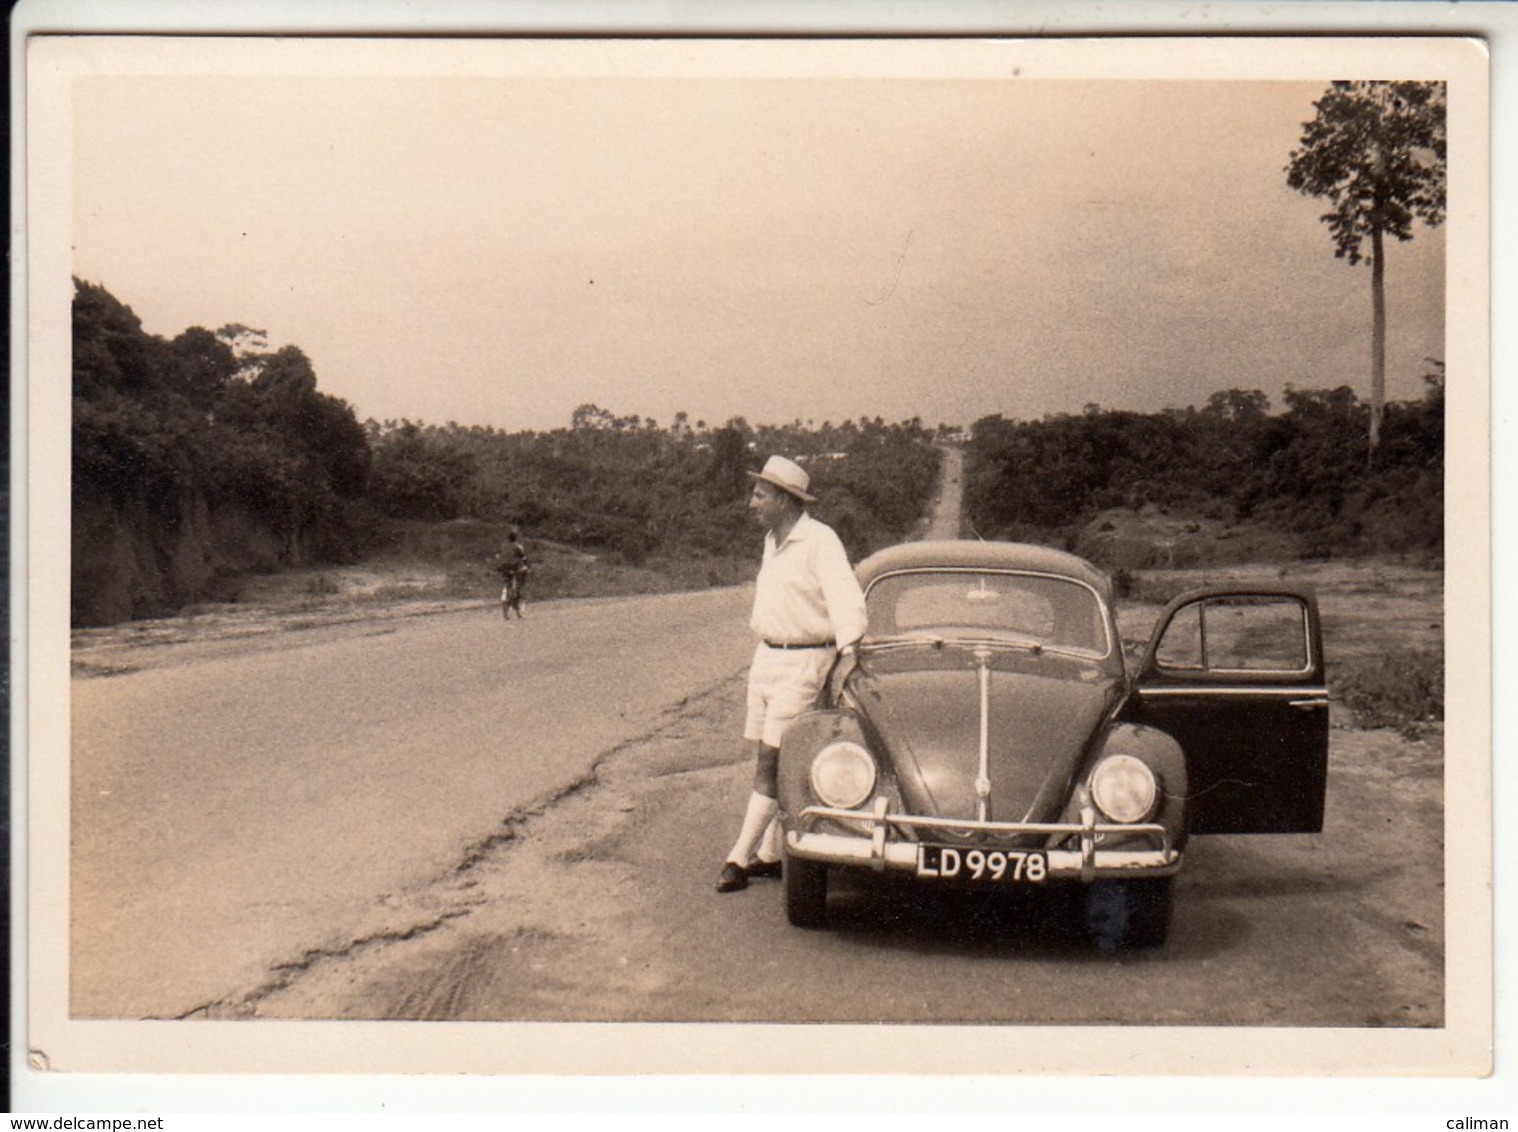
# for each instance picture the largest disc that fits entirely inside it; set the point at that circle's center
(1149, 903)
(1128, 913)
(806, 892)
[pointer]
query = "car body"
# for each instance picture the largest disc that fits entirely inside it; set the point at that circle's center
(986, 732)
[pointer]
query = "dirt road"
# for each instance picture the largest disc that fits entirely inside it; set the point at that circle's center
(946, 513)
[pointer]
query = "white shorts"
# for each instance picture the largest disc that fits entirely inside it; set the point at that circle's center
(782, 684)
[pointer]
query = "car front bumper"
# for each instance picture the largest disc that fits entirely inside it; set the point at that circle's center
(887, 841)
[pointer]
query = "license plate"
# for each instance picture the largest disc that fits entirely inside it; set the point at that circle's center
(981, 866)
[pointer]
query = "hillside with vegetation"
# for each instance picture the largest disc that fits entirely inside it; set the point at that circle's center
(629, 487)
(198, 459)
(204, 459)
(1128, 488)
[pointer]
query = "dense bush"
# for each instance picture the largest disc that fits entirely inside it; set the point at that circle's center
(1400, 690)
(1304, 471)
(164, 421)
(169, 438)
(210, 454)
(170, 434)
(626, 486)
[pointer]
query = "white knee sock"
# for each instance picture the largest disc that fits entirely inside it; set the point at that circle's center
(755, 819)
(769, 845)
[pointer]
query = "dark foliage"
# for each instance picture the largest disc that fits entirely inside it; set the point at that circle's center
(624, 485)
(160, 421)
(1301, 471)
(1377, 151)
(169, 436)
(181, 430)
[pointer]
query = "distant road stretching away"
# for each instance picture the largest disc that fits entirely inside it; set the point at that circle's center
(948, 507)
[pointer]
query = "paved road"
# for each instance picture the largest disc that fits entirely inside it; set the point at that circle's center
(230, 813)
(242, 817)
(604, 910)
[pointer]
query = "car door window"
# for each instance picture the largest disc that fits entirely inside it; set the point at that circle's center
(1237, 633)
(1181, 646)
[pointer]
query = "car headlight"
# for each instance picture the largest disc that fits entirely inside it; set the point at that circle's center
(843, 775)
(1124, 788)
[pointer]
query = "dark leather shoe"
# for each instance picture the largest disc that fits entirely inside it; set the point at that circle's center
(733, 878)
(758, 868)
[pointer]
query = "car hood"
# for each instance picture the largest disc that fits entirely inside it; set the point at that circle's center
(926, 723)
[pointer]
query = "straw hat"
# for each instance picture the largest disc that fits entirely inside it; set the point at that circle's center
(788, 476)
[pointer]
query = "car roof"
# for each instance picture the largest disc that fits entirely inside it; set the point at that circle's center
(981, 555)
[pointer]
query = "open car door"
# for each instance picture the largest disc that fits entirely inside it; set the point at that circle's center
(1237, 678)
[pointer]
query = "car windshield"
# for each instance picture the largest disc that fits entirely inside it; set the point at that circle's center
(1042, 609)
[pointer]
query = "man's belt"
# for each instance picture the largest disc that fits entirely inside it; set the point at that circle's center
(807, 645)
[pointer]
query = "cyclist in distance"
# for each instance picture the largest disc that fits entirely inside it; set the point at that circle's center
(511, 565)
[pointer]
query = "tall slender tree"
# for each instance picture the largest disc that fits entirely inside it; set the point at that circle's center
(1376, 151)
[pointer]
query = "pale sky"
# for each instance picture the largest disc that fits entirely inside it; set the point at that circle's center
(499, 250)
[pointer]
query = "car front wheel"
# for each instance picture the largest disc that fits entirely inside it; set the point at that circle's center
(806, 892)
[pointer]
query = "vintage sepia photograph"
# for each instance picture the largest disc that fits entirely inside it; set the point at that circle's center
(959, 555)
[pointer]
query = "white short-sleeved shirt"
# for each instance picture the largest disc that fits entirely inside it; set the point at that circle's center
(806, 595)
(806, 592)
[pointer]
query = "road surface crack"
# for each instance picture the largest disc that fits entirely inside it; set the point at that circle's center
(515, 824)
(514, 827)
(283, 974)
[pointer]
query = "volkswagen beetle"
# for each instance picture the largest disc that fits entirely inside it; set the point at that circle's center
(986, 732)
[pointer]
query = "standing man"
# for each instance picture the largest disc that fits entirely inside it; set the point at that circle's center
(807, 608)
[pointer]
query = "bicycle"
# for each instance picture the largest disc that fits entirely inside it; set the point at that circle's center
(511, 593)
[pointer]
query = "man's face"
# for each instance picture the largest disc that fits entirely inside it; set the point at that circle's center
(768, 504)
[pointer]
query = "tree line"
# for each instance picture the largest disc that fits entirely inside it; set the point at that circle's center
(1301, 471)
(209, 455)
(640, 490)
(210, 418)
